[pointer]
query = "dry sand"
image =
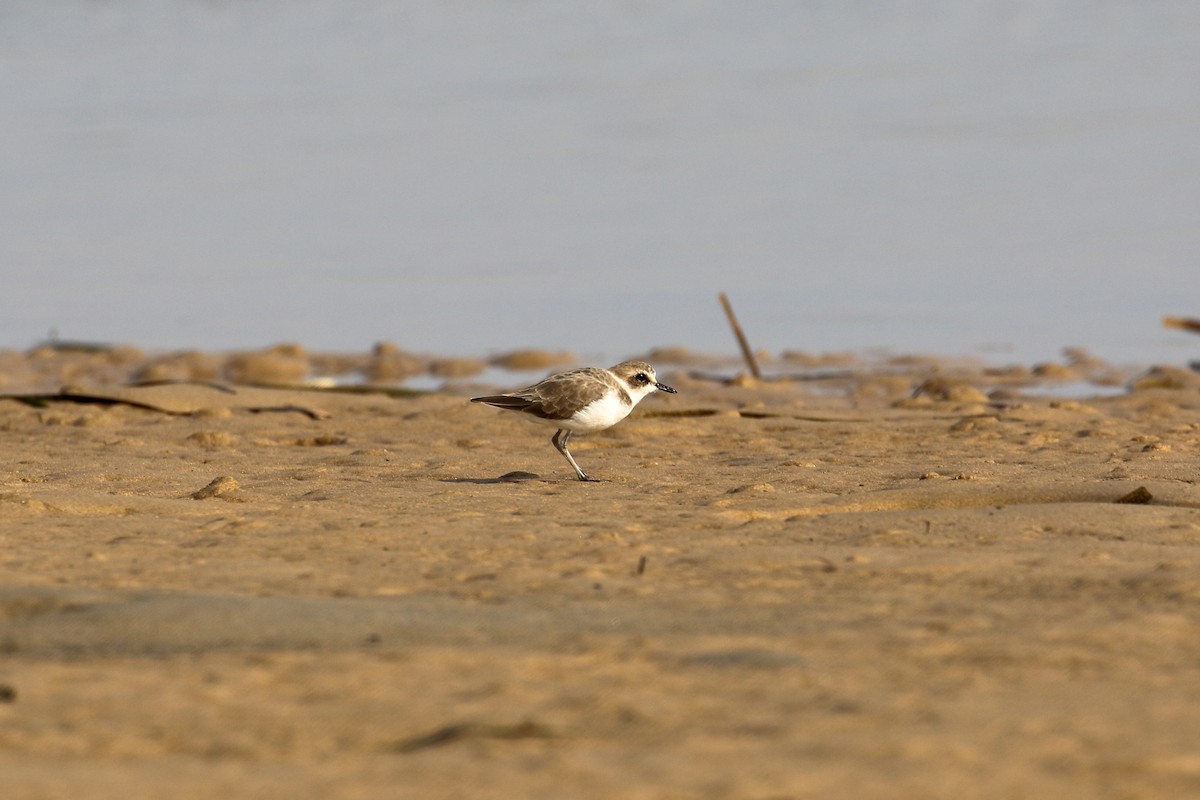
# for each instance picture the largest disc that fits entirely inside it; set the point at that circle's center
(794, 589)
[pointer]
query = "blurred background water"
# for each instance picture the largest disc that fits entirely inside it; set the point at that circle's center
(975, 177)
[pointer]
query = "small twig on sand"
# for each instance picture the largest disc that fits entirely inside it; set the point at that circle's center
(1186, 324)
(747, 353)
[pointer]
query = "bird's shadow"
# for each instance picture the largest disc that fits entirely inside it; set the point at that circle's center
(508, 477)
(514, 477)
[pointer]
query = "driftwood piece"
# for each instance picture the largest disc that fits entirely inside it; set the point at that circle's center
(747, 353)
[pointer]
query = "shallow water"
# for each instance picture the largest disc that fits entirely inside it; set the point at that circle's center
(984, 178)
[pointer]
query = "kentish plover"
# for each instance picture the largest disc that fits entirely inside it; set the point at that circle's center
(582, 400)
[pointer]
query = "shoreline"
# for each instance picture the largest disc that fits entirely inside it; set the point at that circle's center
(51, 365)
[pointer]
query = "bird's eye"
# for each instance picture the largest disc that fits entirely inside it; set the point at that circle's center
(641, 378)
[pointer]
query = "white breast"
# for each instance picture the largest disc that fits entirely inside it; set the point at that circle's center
(598, 415)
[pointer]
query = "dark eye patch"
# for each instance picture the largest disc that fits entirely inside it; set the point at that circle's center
(641, 378)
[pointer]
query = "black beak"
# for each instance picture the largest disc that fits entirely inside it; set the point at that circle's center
(662, 387)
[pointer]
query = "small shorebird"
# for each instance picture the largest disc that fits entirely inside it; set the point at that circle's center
(581, 400)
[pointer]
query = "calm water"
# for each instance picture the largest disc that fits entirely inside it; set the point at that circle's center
(992, 178)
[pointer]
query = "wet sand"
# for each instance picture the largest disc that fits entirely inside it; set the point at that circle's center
(908, 580)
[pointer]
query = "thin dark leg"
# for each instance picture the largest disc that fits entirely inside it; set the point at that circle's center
(559, 440)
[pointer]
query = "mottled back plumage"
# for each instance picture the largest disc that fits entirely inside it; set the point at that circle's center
(559, 396)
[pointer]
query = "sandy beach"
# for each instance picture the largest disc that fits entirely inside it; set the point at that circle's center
(909, 579)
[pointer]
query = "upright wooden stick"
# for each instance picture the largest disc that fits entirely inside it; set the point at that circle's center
(747, 353)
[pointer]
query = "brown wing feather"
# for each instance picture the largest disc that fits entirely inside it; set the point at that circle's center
(506, 401)
(557, 397)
